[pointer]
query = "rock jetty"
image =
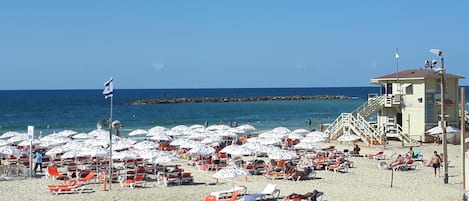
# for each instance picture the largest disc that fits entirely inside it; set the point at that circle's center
(234, 99)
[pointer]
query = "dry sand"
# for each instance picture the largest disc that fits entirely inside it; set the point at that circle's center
(365, 181)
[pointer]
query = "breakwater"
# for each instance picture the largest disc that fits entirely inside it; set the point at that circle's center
(235, 99)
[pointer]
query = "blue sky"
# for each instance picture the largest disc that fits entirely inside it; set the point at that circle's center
(224, 44)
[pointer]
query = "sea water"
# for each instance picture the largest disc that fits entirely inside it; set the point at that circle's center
(79, 110)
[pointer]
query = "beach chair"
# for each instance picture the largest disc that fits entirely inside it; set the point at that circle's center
(270, 190)
(378, 155)
(242, 190)
(57, 189)
(138, 180)
(319, 196)
(210, 198)
(338, 167)
(87, 178)
(53, 172)
(275, 175)
(187, 178)
(233, 197)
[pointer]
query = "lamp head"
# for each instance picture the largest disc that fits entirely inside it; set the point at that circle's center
(117, 124)
(437, 52)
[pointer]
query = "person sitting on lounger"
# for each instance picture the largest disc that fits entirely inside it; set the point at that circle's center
(307, 195)
(356, 150)
(399, 160)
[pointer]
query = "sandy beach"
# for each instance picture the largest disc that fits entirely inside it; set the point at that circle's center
(365, 181)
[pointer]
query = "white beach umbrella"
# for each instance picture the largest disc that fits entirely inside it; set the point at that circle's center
(18, 138)
(236, 150)
(74, 145)
(8, 150)
(312, 139)
(57, 150)
(157, 129)
(197, 136)
(83, 136)
(282, 155)
(246, 128)
(73, 154)
(212, 139)
(95, 152)
(348, 137)
(272, 134)
(316, 134)
(254, 139)
(3, 142)
(124, 155)
(10, 134)
(161, 137)
(295, 136)
(438, 132)
(230, 171)
(217, 127)
(163, 159)
(28, 142)
(97, 142)
(281, 129)
(304, 146)
(66, 133)
(271, 141)
(300, 131)
(201, 149)
(198, 128)
(138, 132)
(145, 145)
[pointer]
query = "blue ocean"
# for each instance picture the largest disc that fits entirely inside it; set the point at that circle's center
(79, 110)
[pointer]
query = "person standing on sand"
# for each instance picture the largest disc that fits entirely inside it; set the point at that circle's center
(38, 157)
(436, 163)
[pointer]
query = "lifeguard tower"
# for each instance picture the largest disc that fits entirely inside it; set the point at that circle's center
(408, 105)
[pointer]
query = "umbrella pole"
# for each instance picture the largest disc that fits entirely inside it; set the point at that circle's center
(392, 175)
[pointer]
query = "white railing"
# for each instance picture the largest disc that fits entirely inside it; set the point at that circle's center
(371, 106)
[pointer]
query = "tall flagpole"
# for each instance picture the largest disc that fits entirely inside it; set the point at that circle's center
(110, 146)
(397, 71)
(108, 92)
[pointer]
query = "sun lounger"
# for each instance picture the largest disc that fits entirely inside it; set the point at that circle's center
(319, 196)
(242, 190)
(341, 167)
(138, 180)
(57, 189)
(54, 173)
(275, 175)
(378, 156)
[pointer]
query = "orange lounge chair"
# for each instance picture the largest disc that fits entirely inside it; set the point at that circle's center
(83, 180)
(57, 189)
(138, 180)
(338, 167)
(275, 175)
(378, 156)
(233, 197)
(54, 173)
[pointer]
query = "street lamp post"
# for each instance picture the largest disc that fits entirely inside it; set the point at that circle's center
(441, 71)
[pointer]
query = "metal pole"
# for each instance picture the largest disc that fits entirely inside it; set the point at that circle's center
(443, 122)
(463, 138)
(110, 147)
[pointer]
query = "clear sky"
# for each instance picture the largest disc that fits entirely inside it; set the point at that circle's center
(224, 44)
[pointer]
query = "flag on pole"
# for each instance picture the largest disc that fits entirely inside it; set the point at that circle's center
(397, 55)
(107, 92)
